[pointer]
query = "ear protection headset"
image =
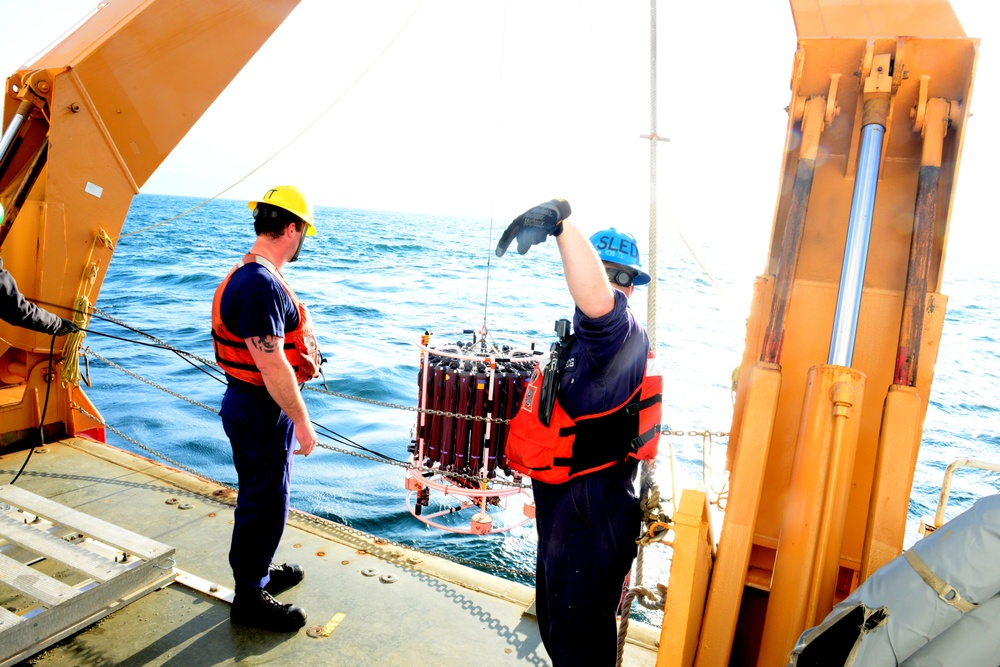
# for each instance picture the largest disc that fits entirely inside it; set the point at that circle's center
(260, 213)
(619, 276)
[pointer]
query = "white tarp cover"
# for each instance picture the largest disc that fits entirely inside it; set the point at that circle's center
(896, 618)
(972, 642)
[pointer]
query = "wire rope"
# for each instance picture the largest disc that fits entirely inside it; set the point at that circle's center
(489, 240)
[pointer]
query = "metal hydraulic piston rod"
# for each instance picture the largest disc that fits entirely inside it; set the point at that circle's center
(852, 276)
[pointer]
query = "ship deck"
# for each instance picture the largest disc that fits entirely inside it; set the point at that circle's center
(378, 602)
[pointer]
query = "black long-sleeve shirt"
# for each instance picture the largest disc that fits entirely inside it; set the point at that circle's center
(16, 310)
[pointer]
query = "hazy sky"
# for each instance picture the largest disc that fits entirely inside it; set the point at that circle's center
(486, 108)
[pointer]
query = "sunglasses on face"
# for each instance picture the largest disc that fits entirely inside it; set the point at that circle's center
(619, 277)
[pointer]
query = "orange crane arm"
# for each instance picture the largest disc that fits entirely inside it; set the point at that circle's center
(84, 128)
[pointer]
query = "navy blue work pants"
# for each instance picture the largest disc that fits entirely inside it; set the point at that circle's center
(262, 437)
(587, 529)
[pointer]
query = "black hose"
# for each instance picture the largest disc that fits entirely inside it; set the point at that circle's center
(45, 408)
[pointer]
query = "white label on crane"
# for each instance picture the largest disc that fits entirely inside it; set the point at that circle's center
(95, 190)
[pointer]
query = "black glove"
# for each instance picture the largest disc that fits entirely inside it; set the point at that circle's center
(535, 225)
(67, 327)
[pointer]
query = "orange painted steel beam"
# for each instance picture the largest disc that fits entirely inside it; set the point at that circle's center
(808, 558)
(690, 568)
(736, 538)
(899, 442)
(835, 18)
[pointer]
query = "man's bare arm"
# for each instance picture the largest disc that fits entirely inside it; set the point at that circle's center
(279, 378)
(585, 275)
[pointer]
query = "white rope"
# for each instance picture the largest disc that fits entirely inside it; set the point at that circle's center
(649, 466)
(653, 141)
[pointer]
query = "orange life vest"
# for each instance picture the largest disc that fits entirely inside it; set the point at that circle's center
(568, 447)
(301, 348)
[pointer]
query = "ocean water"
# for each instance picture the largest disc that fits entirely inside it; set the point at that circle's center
(375, 281)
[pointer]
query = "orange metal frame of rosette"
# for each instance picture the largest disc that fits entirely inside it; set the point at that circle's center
(94, 117)
(842, 336)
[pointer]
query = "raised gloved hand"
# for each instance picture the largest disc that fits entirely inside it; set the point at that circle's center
(535, 225)
(67, 327)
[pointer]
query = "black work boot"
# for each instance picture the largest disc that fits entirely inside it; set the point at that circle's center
(283, 577)
(254, 607)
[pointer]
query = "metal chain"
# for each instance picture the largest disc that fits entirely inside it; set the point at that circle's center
(444, 473)
(408, 408)
(165, 345)
(173, 462)
(87, 350)
(337, 394)
(697, 434)
(312, 518)
(449, 474)
(644, 594)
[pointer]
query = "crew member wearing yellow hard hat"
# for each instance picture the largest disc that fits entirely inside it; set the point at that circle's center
(264, 341)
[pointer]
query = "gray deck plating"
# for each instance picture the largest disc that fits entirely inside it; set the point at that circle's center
(434, 612)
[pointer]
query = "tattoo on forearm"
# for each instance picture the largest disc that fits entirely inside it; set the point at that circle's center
(265, 344)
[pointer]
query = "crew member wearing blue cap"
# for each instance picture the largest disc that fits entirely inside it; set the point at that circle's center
(586, 420)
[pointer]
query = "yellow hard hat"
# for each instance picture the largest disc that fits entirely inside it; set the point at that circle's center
(292, 200)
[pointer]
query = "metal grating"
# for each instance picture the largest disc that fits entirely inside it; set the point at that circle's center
(62, 570)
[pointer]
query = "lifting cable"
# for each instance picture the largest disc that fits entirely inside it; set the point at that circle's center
(90, 12)
(496, 133)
